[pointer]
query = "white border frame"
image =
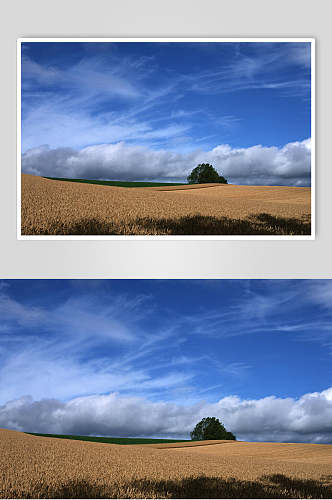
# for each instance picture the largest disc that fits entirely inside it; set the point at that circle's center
(170, 237)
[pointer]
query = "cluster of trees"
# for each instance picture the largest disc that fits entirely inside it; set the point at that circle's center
(210, 428)
(205, 173)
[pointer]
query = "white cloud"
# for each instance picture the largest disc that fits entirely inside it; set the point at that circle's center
(307, 419)
(320, 291)
(300, 53)
(88, 75)
(67, 127)
(12, 310)
(97, 100)
(92, 343)
(287, 165)
(260, 66)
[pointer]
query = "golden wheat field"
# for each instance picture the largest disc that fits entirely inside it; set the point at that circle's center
(51, 207)
(42, 467)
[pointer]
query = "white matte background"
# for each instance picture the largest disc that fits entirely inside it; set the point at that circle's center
(166, 259)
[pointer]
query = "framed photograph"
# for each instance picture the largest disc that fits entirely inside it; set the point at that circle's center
(166, 138)
(150, 389)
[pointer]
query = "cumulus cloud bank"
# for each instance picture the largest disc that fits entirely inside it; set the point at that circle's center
(307, 419)
(257, 165)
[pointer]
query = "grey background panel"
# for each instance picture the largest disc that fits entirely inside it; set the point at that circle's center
(166, 259)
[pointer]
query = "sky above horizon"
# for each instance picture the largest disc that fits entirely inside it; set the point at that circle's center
(152, 357)
(153, 111)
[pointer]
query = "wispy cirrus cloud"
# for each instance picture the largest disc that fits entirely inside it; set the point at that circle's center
(82, 345)
(107, 93)
(89, 77)
(97, 99)
(260, 66)
(321, 292)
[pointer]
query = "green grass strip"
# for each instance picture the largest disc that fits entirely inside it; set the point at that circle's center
(117, 183)
(110, 440)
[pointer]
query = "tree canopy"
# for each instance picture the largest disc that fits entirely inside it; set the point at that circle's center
(210, 428)
(205, 173)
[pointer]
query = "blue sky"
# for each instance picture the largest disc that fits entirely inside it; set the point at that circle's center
(87, 354)
(141, 111)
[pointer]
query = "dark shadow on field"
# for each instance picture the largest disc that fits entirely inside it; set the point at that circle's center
(259, 224)
(272, 486)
